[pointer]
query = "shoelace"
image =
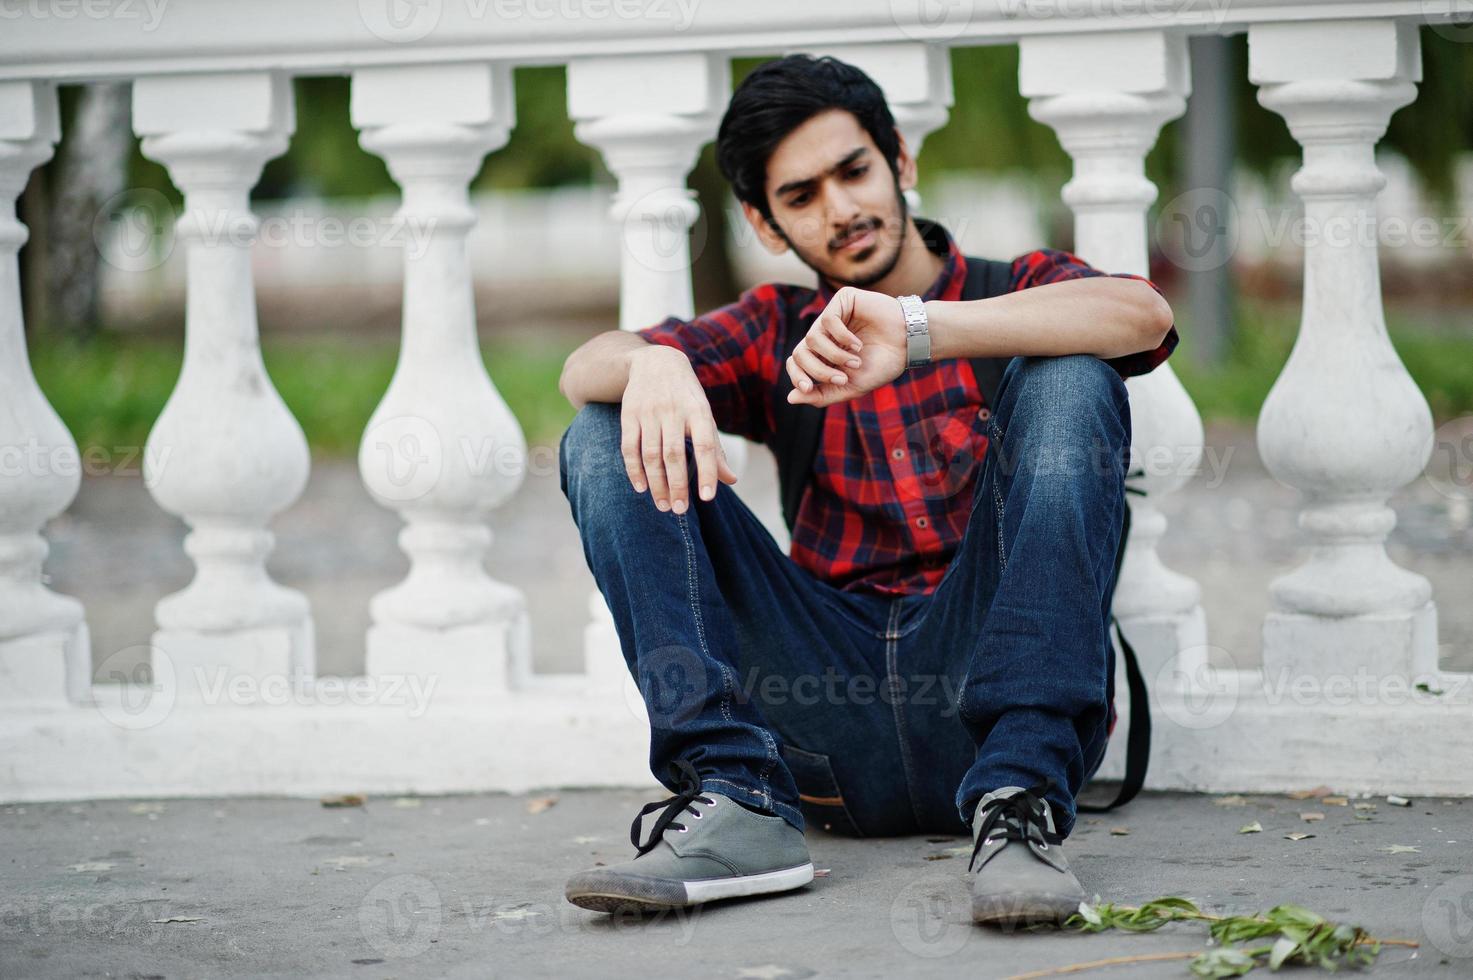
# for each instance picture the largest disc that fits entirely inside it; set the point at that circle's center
(1011, 817)
(689, 782)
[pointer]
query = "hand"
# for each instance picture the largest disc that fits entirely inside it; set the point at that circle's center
(856, 345)
(662, 402)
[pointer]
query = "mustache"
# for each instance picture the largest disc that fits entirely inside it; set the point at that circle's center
(857, 229)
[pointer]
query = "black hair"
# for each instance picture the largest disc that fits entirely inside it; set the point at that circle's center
(781, 95)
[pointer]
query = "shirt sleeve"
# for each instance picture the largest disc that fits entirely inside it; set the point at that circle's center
(732, 350)
(1048, 265)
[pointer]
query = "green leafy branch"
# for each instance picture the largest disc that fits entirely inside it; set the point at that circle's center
(1294, 935)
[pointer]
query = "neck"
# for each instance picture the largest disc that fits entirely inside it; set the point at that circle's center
(917, 269)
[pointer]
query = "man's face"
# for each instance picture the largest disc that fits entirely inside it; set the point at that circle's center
(834, 200)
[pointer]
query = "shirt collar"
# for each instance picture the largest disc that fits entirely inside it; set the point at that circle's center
(946, 286)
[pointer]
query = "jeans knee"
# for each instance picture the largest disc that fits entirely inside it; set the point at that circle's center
(1077, 392)
(591, 443)
(1073, 409)
(1072, 378)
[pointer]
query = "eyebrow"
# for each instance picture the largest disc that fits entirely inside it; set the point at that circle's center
(794, 185)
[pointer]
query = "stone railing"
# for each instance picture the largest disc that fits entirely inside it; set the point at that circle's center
(647, 82)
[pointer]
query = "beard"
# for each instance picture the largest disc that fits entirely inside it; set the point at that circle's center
(880, 271)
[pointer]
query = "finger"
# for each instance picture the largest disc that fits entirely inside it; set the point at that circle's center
(801, 380)
(654, 460)
(817, 397)
(725, 473)
(629, 449)
(823, 345)
(836, 328)
(673, 433)
(703, 441)
(815, 368)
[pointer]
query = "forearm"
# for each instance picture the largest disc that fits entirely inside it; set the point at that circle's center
(1100, 315)
(598, 371)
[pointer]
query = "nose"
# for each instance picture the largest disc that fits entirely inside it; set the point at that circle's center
(843, 211)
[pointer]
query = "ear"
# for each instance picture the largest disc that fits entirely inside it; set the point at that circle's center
(905, 164)
(770, 239)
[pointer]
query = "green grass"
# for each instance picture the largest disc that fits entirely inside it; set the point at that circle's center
(1440, 360)
(110, 391)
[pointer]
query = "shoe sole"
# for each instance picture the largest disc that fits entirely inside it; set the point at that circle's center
(614, 892)
(1024, 910)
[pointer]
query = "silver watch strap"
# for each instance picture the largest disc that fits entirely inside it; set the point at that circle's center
(917, 332)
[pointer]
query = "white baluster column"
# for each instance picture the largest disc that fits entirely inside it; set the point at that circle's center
(225, 455)
(1107, 97)
(442, 448)
(1344, 423)
(649, 117)
(916, 80)
(45, 654)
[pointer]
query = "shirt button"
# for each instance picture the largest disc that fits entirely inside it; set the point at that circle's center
(922, 522)
(898, 453)
(984, 413)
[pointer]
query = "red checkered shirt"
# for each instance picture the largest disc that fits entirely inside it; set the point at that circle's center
(890, 494)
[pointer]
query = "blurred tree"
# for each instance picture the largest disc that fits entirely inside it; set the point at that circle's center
(92, 168)
(989, 129)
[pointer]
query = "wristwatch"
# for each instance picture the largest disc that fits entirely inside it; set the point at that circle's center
(917, 332)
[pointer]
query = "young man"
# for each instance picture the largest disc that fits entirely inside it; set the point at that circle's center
(932, 656)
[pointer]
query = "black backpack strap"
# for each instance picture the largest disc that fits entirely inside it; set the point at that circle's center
(987, 278)
(1138, 739)
(797, 429)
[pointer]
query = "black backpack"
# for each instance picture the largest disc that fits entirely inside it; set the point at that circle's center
(796, 433)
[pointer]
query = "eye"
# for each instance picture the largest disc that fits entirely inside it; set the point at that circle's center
(798, 202)
(858, 172)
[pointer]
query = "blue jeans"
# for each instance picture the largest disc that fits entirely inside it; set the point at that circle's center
(877, 715)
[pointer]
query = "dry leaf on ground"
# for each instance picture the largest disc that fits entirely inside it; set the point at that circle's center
(345, 799)
(1310, 794)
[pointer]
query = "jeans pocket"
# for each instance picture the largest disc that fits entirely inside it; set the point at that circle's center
(819, 797)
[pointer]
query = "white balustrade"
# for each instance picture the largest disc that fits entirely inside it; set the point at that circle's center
(1344, 423)
(45, 655)
(1107, 97)
(649, 117)
(442, 448)
(225, 454)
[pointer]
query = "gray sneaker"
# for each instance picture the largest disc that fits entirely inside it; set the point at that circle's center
(716, 849)
(1022, 877)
